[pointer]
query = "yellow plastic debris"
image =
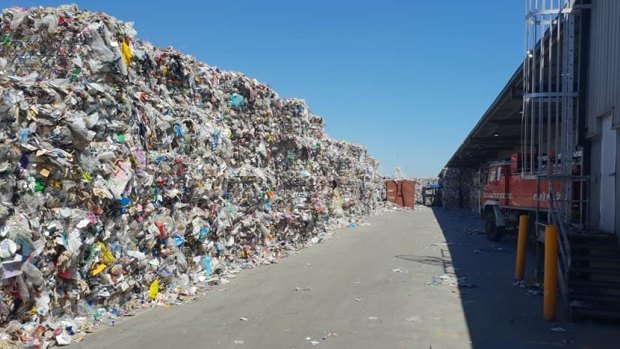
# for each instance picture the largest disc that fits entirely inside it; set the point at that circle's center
(86, 176)
(125, 52)
(97, 269)
(154, 289)
(54, 183)
(33, 111)
(106, 255)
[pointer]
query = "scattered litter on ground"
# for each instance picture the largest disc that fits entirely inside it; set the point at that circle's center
(474, 231)
(303, 289)
(414, 318)
(492, 249)
(535, 292)
(312, 342)
(451, 280)
(558, 329)
(463, 282)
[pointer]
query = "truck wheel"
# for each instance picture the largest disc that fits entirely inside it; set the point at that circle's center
(494, 232)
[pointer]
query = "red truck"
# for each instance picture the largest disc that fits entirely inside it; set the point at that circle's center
(507, 194)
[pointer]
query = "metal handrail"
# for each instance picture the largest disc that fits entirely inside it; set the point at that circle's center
(564, 262)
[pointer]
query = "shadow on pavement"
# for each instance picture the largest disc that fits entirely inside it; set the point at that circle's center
(427, 260)
(498, 313)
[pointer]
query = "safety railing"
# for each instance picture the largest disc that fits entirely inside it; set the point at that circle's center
(559, 215)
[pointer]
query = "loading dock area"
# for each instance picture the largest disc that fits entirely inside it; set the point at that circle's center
(552, 135)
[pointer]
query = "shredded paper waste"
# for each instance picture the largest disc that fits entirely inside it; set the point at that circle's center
(133, 176)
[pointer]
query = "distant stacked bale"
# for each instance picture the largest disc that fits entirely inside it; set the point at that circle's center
(459, 187)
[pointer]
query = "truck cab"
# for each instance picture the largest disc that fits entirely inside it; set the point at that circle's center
(508, 193)
(495, 195)
(495, 189)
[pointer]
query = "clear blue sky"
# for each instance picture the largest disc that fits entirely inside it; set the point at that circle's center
(408, 79)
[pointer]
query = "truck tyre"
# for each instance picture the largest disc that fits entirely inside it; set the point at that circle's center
(494, 232)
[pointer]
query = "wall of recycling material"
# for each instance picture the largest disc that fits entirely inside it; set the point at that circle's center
(133, 173)
(460, 188)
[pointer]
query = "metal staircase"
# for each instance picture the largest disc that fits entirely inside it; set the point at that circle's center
(552, 136)
(594, 277)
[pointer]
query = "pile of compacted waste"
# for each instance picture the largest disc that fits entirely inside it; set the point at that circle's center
(133, 176)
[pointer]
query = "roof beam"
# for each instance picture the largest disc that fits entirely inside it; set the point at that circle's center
(496, 140)
(506, 122)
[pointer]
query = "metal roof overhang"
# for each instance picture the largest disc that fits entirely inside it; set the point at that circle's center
(498, 130)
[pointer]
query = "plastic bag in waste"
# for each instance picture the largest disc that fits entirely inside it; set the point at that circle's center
(154, 289)
(236, 100)
(51, 22)
(33, 274)
(98, 268)
(43, 303)
(106, 256)
(206, 265)
(125, 52)
(8, 248)
(63, 338)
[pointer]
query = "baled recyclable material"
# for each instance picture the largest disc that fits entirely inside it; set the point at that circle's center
(134, 176)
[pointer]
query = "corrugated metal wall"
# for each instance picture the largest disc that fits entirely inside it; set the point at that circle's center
(603, 90)
(604, 69)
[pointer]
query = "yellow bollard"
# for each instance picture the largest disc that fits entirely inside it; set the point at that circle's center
(521, 242)
(550, 286)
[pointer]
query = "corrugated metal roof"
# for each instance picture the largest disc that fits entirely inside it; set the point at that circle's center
(498, 130)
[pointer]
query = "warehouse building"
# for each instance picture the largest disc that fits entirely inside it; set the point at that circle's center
(555, 124)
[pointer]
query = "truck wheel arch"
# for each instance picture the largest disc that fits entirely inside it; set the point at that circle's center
(495, 221)
(492, 208)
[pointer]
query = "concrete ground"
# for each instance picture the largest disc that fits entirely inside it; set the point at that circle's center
(387, 285)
